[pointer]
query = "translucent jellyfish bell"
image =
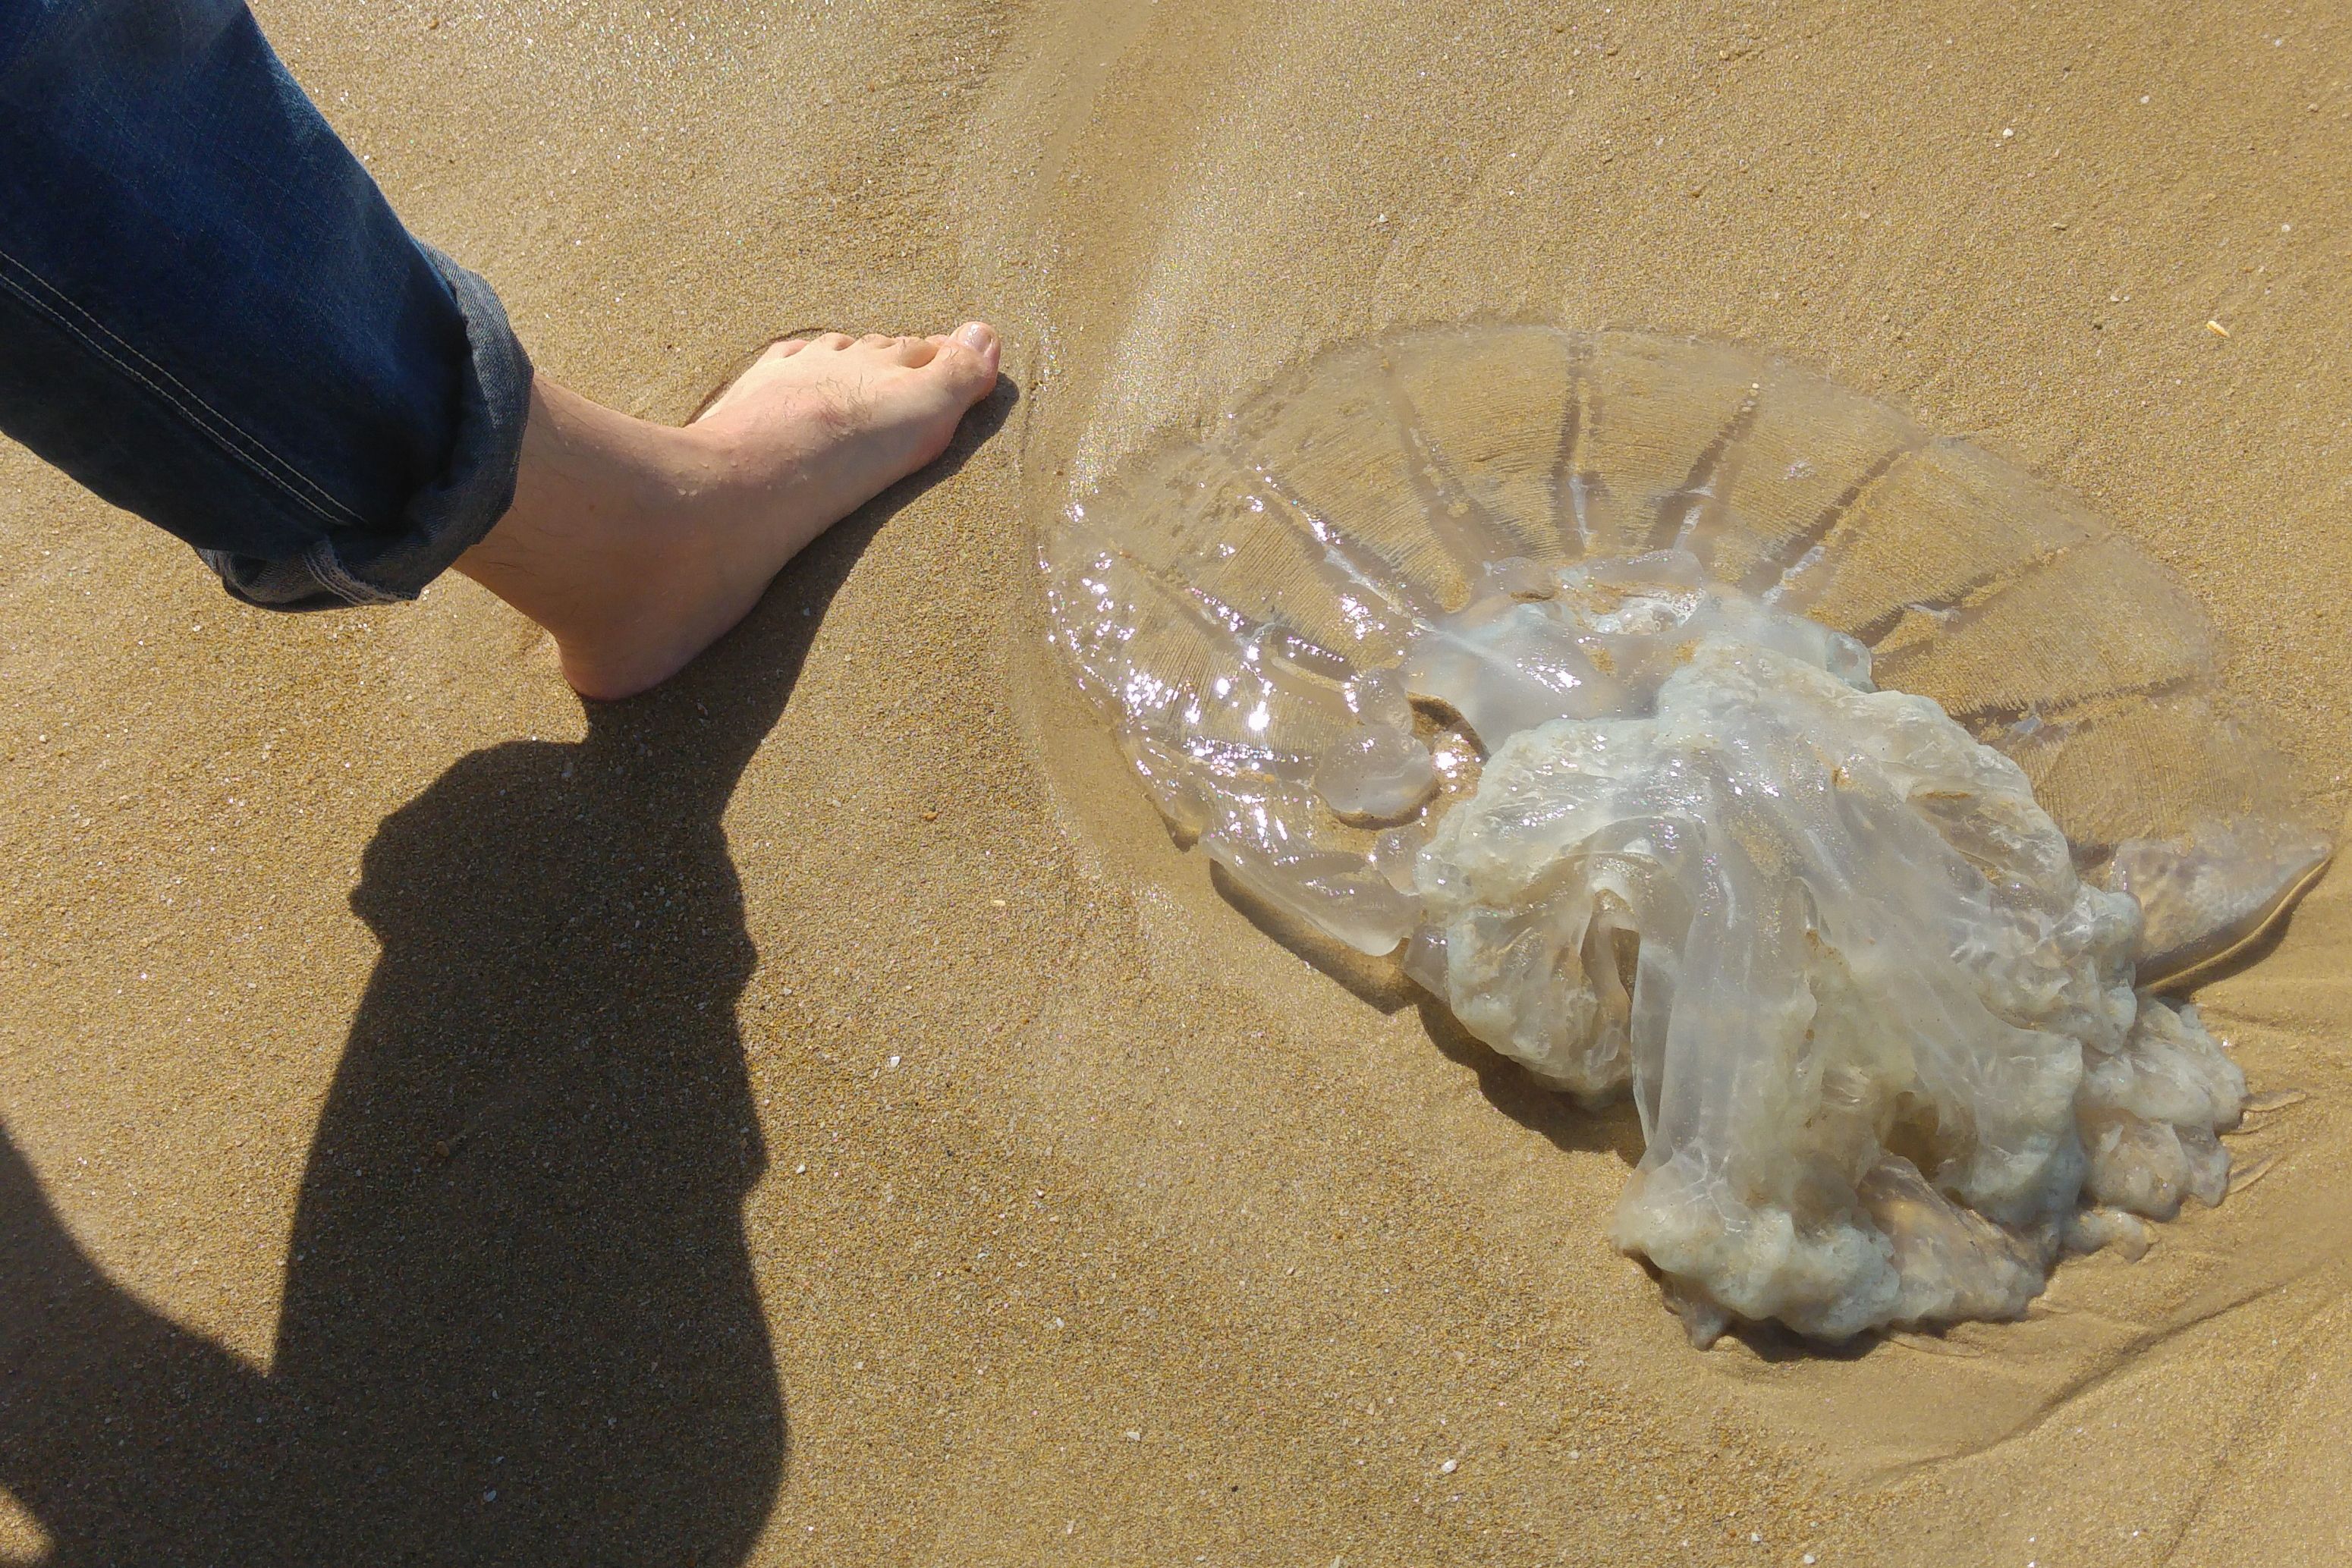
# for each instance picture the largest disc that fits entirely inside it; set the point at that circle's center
(1696, 728)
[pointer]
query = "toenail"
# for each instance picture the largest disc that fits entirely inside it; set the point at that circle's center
(976, 335)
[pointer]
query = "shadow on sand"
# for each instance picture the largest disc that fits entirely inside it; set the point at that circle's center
(520, 1322)
(1614, 1128)
(1380, 983)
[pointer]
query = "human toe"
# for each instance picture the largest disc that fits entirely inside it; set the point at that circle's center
(959, 376)
(966, 362)
(785, 349)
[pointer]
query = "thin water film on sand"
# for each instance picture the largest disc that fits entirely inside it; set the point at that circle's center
(1695, 729)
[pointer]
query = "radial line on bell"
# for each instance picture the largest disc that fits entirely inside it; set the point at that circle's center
(1802, 552)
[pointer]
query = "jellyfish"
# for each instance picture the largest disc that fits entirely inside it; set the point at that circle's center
(1696, 730)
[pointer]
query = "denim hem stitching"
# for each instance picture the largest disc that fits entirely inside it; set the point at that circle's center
(253, 453)
(321, 562)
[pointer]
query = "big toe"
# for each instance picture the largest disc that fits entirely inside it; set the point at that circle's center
(966, 362)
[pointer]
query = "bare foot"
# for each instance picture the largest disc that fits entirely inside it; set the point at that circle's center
(637, 545)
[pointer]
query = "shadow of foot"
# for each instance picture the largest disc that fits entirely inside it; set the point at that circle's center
(520, 1321)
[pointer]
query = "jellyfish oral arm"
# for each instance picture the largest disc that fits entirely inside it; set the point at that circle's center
(1546, 665)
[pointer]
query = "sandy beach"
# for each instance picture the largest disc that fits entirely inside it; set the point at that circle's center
(813, 1114)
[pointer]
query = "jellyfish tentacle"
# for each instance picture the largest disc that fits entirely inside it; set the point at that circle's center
(1481, 649)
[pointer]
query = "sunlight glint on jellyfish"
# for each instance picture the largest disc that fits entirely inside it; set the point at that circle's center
(1696, 729)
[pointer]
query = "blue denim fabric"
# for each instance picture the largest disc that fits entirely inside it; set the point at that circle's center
(210, 316)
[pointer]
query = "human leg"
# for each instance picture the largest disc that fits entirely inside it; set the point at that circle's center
(210, 316)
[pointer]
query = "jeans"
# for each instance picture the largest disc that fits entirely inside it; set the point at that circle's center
(210, 316)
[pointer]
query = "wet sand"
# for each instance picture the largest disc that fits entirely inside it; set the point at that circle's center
(812, 1114)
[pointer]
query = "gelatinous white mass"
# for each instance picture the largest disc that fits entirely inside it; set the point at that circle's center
(1550, 665)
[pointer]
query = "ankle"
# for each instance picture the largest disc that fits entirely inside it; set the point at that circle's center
(587, 477)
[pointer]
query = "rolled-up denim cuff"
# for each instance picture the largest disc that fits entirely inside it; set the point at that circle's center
(445, 518)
